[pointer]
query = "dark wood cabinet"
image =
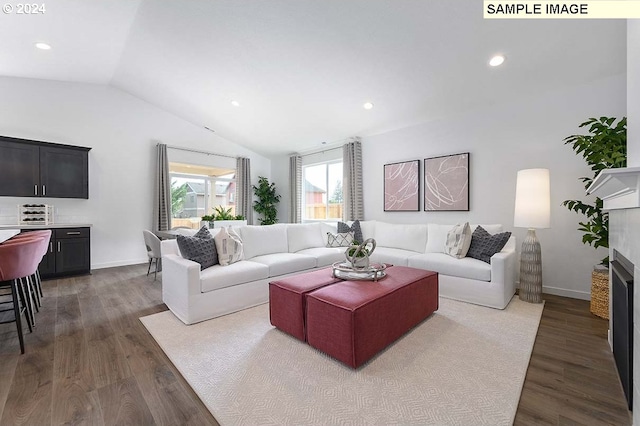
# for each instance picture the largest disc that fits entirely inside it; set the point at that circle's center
(19, 169)
(69, 253)
(40, 169)
(64, 172)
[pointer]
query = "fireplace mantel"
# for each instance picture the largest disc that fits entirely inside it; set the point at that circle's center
(618, 188)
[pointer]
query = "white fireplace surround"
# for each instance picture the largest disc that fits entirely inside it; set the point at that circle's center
(618, 188)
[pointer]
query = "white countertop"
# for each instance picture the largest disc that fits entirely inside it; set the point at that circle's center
(5, 234)
(50, 226)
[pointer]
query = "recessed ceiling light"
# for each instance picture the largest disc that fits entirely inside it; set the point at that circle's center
(43, 46)
(235, 103)
(496, 60)
(367, 105)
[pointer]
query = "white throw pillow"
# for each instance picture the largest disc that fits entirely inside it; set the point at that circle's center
(437, 237)
(229, 246)
(458, 240)
(342, 239)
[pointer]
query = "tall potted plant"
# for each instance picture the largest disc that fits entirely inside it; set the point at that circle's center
(266, 202)
(605, 147)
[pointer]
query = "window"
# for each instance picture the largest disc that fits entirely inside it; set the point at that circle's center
(198, 190)
(322, 191)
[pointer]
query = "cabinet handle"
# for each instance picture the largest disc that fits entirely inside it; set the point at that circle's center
(44, 190)
(35, 189)
(58, 246)
(73, 233)
(50, 247)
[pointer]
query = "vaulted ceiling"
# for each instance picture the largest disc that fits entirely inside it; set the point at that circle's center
(302, 69)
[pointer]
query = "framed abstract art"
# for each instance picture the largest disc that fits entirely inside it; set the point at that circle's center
(446, 183)
(402, 186)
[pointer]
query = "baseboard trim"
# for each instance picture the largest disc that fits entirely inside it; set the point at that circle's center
(119, 263)
(574, 294)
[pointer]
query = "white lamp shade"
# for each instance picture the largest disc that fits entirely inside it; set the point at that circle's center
(533, 199)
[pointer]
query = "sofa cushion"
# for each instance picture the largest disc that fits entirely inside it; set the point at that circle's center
(241, 272)
(458, 241)
(229, 246)
(354, 227)
(406, 237)
(444, 264)
(200, 250)
(285, 263)
(304, 235)
(368, 228)
(328, 227)
(325, 256)
(484, 245)
(393, 256)
(267, 239)
(437, 237)
(341, 239)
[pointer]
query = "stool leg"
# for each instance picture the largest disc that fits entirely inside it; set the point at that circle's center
(34, 292)
(39, 283)
(25, 303)
(149, 268)
(18, 314)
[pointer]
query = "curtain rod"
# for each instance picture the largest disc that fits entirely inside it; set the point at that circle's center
(320, 151)
(199, 152)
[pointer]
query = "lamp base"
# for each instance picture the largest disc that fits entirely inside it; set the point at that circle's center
(531, 269)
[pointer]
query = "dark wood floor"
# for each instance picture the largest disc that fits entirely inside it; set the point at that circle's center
(91, 361)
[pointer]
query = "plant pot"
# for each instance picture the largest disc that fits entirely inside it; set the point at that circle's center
(360, 263)
(228, 223)
(600, 292)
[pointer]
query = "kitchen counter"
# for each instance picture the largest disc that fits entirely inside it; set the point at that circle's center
(50, 226)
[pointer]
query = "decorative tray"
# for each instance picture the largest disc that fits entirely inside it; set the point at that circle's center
(344, 271)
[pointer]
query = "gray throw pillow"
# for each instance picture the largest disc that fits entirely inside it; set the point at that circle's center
(355, 228)
(458, 241)
(199, 249)
(485, 245)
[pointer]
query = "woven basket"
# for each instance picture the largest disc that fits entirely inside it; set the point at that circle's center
(600, 293)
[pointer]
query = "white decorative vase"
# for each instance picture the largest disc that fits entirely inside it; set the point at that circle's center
(358, 255)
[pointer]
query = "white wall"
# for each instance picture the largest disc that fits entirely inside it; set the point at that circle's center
(122, 131)
(633, 92)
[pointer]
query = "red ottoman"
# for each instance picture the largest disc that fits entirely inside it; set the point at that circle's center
(287, 300)
(354, 320)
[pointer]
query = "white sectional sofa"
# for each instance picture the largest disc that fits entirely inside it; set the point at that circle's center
(277, 251)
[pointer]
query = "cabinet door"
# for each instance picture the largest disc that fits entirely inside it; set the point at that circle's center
(19, 169)
(64, 173)
(47, 266)
(72, 255)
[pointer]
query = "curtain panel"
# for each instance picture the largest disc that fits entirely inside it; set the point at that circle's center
(162, 191)
(352, 180)
(295, 189)
(244, 193)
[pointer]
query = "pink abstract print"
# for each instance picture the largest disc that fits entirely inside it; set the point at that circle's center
(446, 183)
(402, 186)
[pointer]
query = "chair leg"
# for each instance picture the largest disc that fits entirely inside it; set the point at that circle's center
(155, 273)
(34, 291)
(25, 302)
(149, 268)
(39, 283)
(17, 313)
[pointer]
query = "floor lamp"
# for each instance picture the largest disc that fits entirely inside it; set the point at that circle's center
(532, 211)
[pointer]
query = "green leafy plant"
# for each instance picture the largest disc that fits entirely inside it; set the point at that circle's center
(220, 213)
(605, 147)
(267, 200)
(354, 247)
(207, 218)
(239, 217)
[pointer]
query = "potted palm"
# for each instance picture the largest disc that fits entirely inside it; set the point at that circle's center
(605, 147)
(222, 218)
(266, 202)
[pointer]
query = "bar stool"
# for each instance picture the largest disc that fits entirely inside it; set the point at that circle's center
(47, 246)
(30, 286)
(19, 259)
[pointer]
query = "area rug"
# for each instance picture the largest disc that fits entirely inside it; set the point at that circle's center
(464, 365)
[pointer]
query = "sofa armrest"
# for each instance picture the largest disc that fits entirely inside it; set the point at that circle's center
(503, 271)
(180, 275)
